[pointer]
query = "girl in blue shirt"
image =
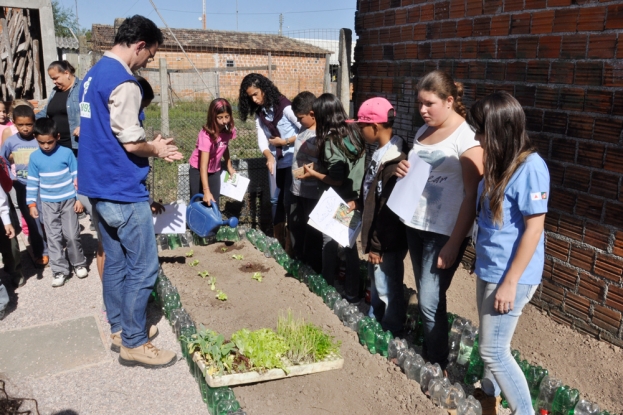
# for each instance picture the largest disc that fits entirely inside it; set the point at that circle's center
(511, 208)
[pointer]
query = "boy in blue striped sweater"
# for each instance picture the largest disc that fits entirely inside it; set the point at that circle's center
(52, 171)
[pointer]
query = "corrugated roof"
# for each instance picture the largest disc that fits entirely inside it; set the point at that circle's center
(67, 43)
(196, 40)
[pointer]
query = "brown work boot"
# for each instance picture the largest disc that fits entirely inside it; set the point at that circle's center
(115, 338)
(490, 404)
(146, 355)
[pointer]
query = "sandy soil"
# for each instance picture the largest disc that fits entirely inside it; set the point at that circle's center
(367, 384)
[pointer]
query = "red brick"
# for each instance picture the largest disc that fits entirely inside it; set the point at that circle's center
(573, 47)
(486, 49)
(438, 50)
(433, 31)
(464, 28)
(453, 49)
(427, 12)
(401, 17)
(591, 287)
(457, 9)
(513, 5)
(560, 317)
(558, 3)
(614, 160)
(618, 109)
(469, 49)
(557, 175)
(572, 99)
(534, 123)
(589, 207)
(551, 222)
(507, 48)
(615, 17)
(566, 20)
(582, 257)
(477, 69)
(602, 46)
(562, 73)
(442, 10)
(390, 18)
(535, 4)
(542, 22)
(552, 293)
(500, 25)
(495, 71)
(598, 101)
(549, 47)
(614, 298)
(525, 94)
(608, 266)
(516, 71)
(556, 123)
(592, 19)
(608, 129)
(588, 73)
(413, 15)
(546, 97)
(617, 248)
(605, 185)
(423, 50)
(590, 154)
(565, 276)
(613, 74)
(607, 319)
(557, 248)
(474, 7)
(492, 6)
(448, 29)
(527, 47)
(406, 33)
(460, 71)
(597, 236)
(569, 226)
(520, 24)
(482, 26)
(419, 32)
(614, 215)
(538, 72)
(580, 126)
(577, 178)
(576, 306)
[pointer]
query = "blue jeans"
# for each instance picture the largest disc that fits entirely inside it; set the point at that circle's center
(35, 230)
(281, 203)
(131, 266)
(329, 266)
(387, 291)
(432, 283)
(4, 297)
(496, 331)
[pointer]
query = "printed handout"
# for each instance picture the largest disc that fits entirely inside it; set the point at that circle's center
(406, 195)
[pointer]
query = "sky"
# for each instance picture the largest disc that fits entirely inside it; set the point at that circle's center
(253, 15)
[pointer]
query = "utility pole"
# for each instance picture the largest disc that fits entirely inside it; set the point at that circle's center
(236, 15)
(204, 15)
(280, 23)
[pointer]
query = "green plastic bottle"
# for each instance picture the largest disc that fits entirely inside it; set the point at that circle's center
(534, 376)
(382, 342)
(174, 241)
(565, 400)
(476, 367)
(363, 326)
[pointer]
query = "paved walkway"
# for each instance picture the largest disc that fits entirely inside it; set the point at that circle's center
(64, 336)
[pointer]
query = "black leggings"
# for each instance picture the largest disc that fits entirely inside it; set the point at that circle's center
(214, 182)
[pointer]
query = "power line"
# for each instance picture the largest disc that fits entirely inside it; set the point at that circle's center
(299, 12)
(131, 7)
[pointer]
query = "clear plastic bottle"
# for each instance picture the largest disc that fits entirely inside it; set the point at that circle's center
(468, 337)
(413, 365)
(437, 387)
(402, 356)
(469, 406)
(547, 390)
(429, 372)
(452, 397)
(585, 407)
(394, 346)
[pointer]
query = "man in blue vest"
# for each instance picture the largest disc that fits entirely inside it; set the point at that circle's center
(112, 173)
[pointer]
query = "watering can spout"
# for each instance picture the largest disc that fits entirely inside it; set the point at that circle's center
(204, 220)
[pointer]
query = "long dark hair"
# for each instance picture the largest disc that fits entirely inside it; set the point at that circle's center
(246, 106)
(218, 106)
(331, 126)
(500, 121)
(62, 67)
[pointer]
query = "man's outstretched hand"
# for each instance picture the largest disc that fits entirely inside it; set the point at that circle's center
(165, 149)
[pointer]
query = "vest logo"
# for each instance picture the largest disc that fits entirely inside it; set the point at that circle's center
(85, 110)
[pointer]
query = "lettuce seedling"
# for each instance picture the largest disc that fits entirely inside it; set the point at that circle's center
(238, 257)
(220, 295)
(203, 274)
(190, 254)
(194, 263)
(258, 277)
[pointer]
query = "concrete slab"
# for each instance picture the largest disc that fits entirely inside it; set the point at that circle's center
(52, 348)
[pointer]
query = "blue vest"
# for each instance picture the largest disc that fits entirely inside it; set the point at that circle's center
(106, 170)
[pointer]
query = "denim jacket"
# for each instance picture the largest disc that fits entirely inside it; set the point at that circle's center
(73, 110)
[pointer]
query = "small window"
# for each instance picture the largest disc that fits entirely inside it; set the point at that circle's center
(230, 64)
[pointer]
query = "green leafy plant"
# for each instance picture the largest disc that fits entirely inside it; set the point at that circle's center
(220, 295)
(203, 274)
(258, 276)
(214, 349)
(213, 284)
(306, 342)
(264, 348)
(238, 257)
(194, 263)
(224, 249)
(190, 254)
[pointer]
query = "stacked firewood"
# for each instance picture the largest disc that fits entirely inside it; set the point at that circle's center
(20, 75)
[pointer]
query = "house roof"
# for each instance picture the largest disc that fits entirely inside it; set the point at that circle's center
(67, 43)
(196, 40)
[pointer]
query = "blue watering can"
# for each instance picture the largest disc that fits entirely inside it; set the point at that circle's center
(204, 220)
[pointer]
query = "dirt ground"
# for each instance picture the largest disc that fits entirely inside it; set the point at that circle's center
(367, 384)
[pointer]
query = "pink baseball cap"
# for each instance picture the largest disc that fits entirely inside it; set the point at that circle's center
(374, 110)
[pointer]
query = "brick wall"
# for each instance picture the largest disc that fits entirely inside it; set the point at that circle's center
(559, 59)
(292, 74)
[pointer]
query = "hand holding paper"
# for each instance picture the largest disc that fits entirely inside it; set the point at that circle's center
(406, 195)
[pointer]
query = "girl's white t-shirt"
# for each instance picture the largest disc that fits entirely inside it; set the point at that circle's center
(444, 192)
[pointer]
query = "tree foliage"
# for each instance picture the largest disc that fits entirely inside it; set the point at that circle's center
(65, 20)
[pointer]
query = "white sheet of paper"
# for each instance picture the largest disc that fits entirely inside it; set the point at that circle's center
(172, 220)
(406, 195)
(322, 219)
(235, 192)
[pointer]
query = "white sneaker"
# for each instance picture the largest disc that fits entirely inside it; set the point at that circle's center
(59, 279)
(81, 272)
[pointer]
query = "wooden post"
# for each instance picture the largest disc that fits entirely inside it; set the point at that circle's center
(164, 98)
(326, 87)
(270, 66)
(343, 78)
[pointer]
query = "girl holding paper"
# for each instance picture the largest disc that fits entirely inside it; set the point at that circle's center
(212, 146)
(437, 233)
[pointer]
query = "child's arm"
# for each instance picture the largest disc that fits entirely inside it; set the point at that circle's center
(4, 215)
(262, 143)
(32, 188)
(78, 207)
(204, 158)
(230, 167)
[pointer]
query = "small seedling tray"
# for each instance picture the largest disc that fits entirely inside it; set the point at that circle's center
(273, 374)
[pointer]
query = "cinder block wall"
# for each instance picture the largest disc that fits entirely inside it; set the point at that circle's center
(561, 60)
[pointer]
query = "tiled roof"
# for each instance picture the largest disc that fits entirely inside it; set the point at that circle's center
(196, 40)
(67, 43)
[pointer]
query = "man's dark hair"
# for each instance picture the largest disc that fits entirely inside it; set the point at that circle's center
(391, 115)
(303, 102)
(148, 92)
(23, 111)
(45, 126)
(138, 28)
